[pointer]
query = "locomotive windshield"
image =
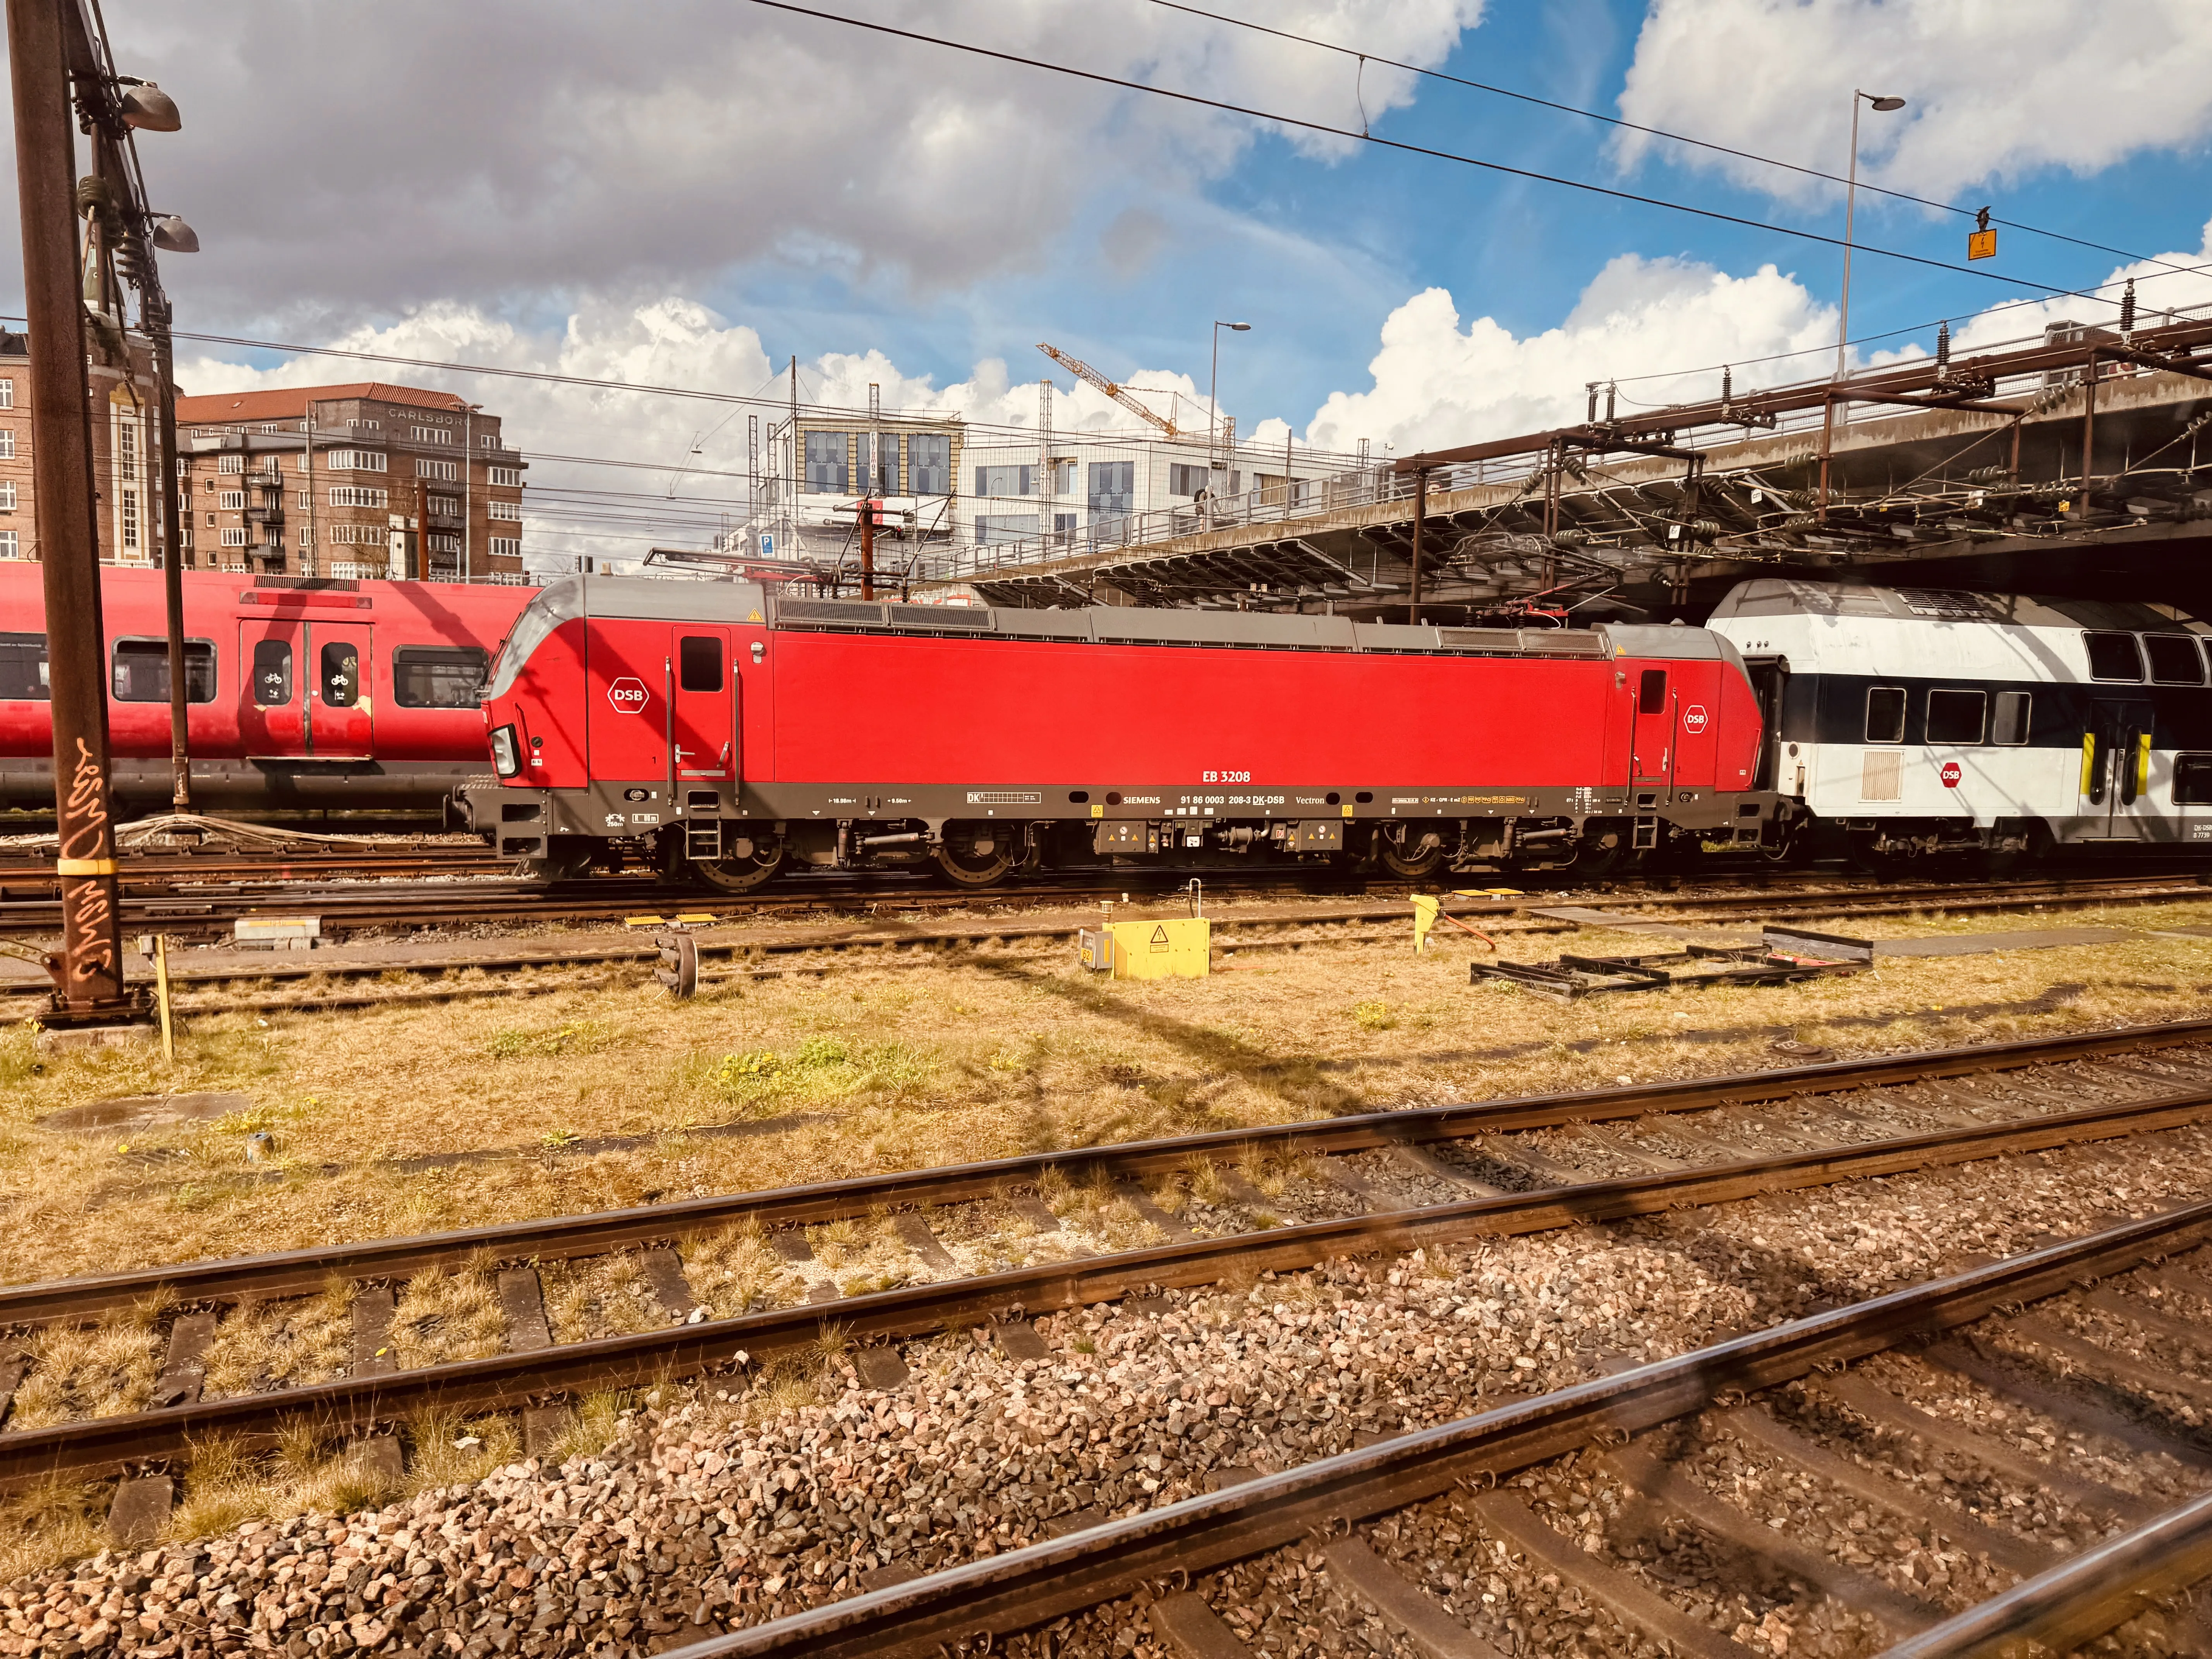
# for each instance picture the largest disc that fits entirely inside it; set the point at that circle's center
(562, 602)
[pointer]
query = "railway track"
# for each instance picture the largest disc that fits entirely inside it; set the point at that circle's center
(992, 1243)
(1606, 1498)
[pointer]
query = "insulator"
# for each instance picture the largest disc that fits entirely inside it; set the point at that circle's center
(1989, 474)
(1728, 386)
(1570, 539)
(1943, 348)
(1704, 529)
(2128, 309)
(94, 194)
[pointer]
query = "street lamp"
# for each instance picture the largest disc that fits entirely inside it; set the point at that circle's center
(1213, 385)
(1886, 104)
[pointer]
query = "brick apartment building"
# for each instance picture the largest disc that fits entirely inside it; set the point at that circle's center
(364, 480)
(126, 440)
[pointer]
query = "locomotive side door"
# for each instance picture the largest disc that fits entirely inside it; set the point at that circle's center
(1653, 750)
(1696, 699)
(2116, 767)
(706, 693)
(628, 671)
(341, 691)
(272, 704)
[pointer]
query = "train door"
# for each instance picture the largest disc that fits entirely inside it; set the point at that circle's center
(1697, 698)
(1770, 683)
(341, 691)
(272, 702)
(628, 673)
(2116, 769)
(1653, 752)
(706, 693)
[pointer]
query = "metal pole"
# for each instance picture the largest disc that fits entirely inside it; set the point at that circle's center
(868, 549)
(89, 976)
(1851, 198)
(468, 487)
(2089, 424)
(1212, 385)
(1420, 523)
(172, 562)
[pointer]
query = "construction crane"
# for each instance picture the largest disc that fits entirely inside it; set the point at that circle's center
(1121, 394)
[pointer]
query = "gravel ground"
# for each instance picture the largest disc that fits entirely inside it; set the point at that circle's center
(721, 1508)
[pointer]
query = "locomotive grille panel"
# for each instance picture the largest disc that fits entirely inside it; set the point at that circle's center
(1005, 798)
(844, 613)
(947, 618)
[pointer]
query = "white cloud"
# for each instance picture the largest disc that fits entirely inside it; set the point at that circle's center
(1436, 383)
(2173, 281)
(341, 159)
(1997, 89)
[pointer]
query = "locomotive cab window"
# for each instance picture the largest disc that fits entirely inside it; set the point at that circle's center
(2114, 657)
(272, 673)
(1885, 713)
(2192, 779)
(699, 664)
(341, 674)
(2010, 725)
(439, 676)
(1956, 716)
(2173, 659)
(142, 671)
(23, 668)
(1652, 692)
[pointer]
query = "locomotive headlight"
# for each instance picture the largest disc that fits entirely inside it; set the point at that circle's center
(505, 758)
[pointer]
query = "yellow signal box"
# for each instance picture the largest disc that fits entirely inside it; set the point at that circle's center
(1179, 948)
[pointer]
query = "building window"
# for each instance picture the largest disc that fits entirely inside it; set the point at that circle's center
(488, 440)
(231, 500)
(375, 534)
(827, 458)
(439, 676)
(7, 495)
(1005, 480)
(1113, 486)
(359, 496)
(430, 434)
(126, 520)
(450, 506)
(8, 544)
(508, 477)
(929, 464)
(142, 671)
(8, 392)
(506, 547)
(447, 472)
(23, 668)
(443, 542)
(306, 538)
(7, 443)
(233, 538)
(230, 463)
(509, 511)
(1011, 527)
(1187, 480)
(304, 500)
(351, 460)
(126, 449)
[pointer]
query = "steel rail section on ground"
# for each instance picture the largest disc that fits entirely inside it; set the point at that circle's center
(90, 1447)
(1039, 1582)
(298, 1273)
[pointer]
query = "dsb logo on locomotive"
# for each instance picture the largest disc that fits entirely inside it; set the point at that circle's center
(629, 694)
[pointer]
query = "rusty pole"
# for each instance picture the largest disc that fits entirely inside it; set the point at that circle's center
(88, 975)
(867, 547)
(172, 561)
(2088, 425)
(1420, 524)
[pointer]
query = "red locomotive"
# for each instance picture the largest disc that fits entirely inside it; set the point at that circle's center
(300, 693)
(728, 732)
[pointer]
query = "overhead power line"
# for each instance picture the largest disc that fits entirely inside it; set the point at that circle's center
(1100, 78)
(1638, 126)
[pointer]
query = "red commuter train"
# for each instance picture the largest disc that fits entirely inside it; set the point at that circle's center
(726, 732)
(301, 693)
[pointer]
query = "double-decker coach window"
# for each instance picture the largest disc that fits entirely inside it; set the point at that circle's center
(699, 664)
(1652, 692)
(439, 676)
(1885, 720)
(272, 673)
(2010, 725)
(23, 668)
(2173, 659)
(142, 671)
(2114, 657)
(341, 674)
(2192, 779)
(1955, 716)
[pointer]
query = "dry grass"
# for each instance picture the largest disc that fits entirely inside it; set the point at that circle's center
(383, 1120)
(444, 1315)
(282, 1344)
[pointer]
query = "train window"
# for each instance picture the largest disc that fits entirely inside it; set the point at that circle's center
(439, 676)
(2114, 657)
(1885, 717)
(272, 673)
(2010, 725)
(1652, 692)
(1956, 716)
(142, 671)
(341, 674)
(23, 668)
(699, 664)
(2192, 779)
(2173, 659)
